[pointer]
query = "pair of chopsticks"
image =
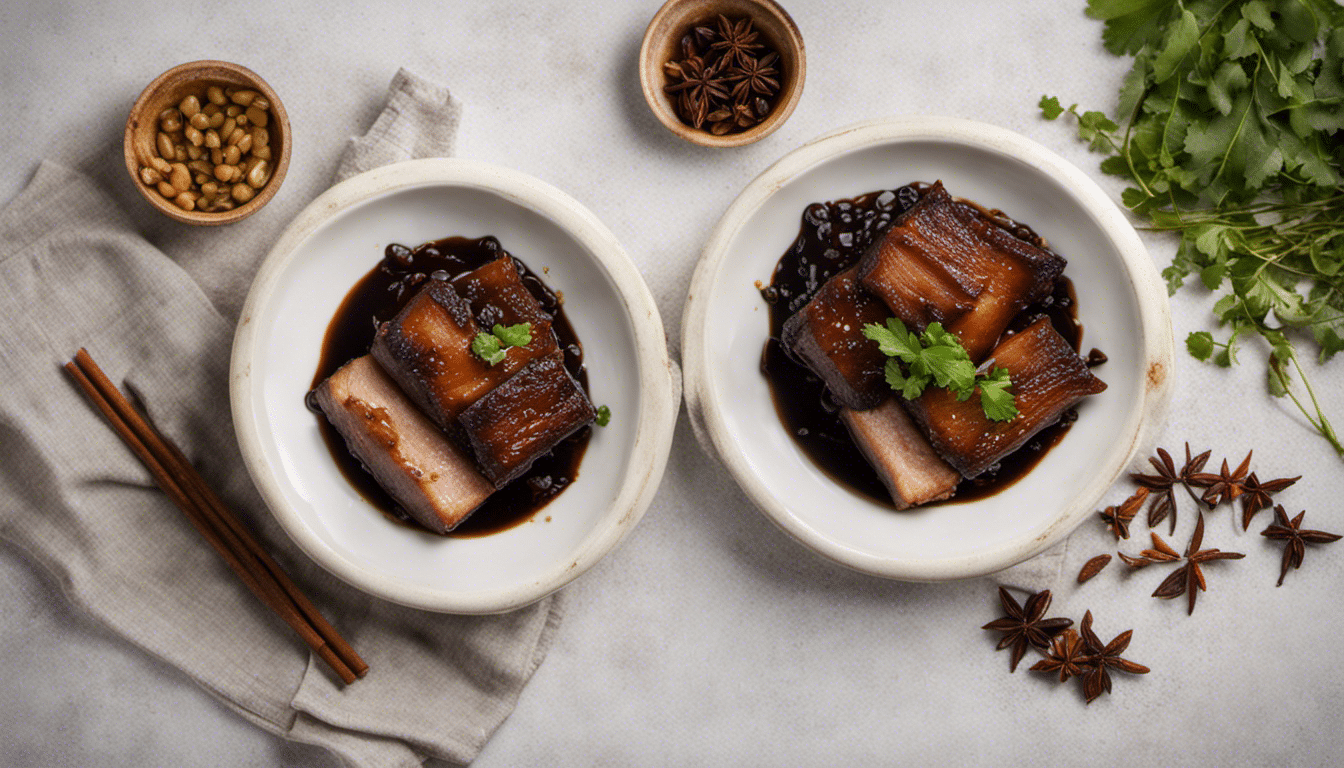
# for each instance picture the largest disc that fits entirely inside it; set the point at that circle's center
(175, 475)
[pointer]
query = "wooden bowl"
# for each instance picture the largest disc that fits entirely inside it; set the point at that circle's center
(662, 43)
(168, 90)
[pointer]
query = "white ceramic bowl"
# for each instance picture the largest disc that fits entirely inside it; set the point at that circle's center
(332, 244)
(1122, 306)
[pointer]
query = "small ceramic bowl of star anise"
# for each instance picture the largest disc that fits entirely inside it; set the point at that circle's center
(722, 73)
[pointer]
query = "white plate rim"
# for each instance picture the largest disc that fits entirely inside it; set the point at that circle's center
(656, 420)
(1150, 293)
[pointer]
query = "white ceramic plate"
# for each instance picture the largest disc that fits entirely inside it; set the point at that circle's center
(332, 244)
(1122, 306)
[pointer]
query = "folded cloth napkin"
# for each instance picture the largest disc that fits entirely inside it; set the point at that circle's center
(74, 273)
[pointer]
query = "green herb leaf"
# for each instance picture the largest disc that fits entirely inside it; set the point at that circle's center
(1227, 133)
(486, 346)
(1050, 107)
(493, 347)
(997, 402)
(603, 415)
(934, 357)
(519, 335)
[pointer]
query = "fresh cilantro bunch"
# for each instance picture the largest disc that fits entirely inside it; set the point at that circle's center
(1233, 136)
(936, 356)
(493, 347)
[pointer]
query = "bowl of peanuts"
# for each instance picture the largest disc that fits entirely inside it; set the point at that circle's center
(207, 143)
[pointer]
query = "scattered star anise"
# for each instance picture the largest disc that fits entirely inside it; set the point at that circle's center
(1160, 553)
(1067, 656)
(1189, 578)
(1103, 658)
(1297, 538)
(1026, 626)
(1117, 518)
(1224, 486)
(737, 41)
(1256, 496)
(1163, 484)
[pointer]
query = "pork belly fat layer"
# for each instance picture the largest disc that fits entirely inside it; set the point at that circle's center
(426, 349)
(904, 460)
(827, 335)
(432, 479)
(524, 418)
(946, 261)
(497, 294)
(1048, 378)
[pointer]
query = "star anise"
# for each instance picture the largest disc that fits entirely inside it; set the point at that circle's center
(1292, 532)
(1067, 656)
(1026, 626)
(1117, 518)
(737, 41)
(755, 76)
(1103, 658)
(1160, 553)
(1189, 578)
(1163, 484)
(1256, 496)
(724, 119)
(700, 82)
(1224, 486)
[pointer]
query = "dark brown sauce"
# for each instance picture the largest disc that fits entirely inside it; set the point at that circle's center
(833, 236)
(378, 297)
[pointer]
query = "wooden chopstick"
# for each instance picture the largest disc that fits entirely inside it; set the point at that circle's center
(175, 475)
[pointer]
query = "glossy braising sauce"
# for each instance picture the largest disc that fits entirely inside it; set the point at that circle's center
(833, 237)
(378, 297)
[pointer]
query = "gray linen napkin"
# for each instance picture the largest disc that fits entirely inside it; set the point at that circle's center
(74, 273)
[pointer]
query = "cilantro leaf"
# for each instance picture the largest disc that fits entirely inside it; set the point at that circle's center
(486, 346)
(1227, 132)
(936, 357)
(493, 347)
(997, 402)
(519, 335)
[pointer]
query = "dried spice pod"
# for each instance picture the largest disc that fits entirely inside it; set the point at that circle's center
(1256, 496)
(1189, 578)
(1118, 518)
(1296, 538)
(1104, 658)
(1068, 656)
(1023, 626)
(1093, 567)
(1224, 486)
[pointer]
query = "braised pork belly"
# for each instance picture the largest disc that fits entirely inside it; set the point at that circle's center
(432, 479)
(825, 334)
(908, 465)
(1048, 378)
(524, 418)
(945, 261)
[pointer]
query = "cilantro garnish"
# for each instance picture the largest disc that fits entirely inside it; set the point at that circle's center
(603, 415)
(1227, 129)
(493, 347)
(937, 357)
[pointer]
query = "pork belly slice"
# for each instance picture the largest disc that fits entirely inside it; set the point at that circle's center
(524, 418)
(909, 467)
(497, 294)
(432, 479)
(1048, 378)
(945, 261)
(426, 349)
(827, 335)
